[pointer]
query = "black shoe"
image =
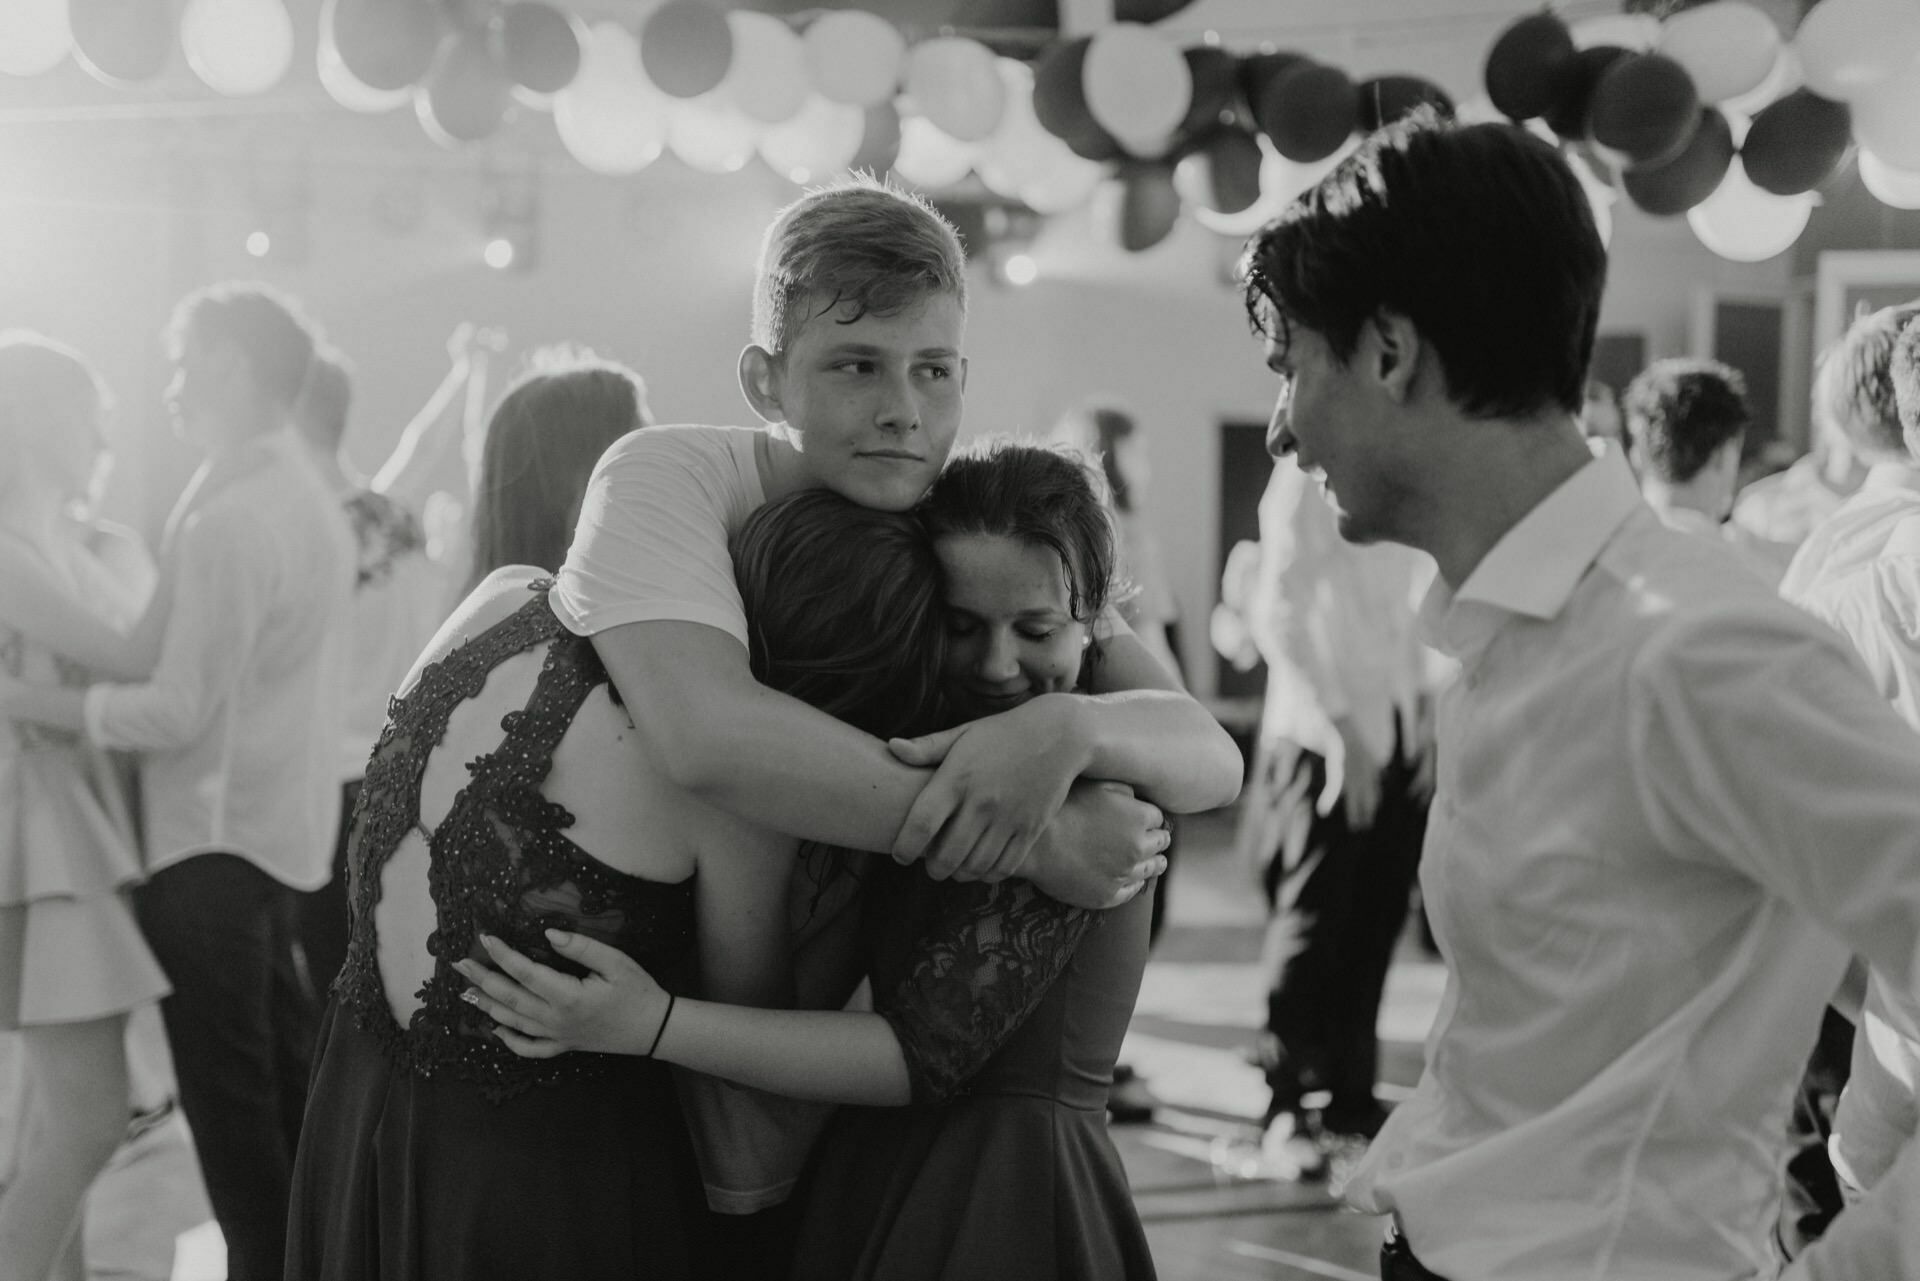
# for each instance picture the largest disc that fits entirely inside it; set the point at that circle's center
(1129, 1102)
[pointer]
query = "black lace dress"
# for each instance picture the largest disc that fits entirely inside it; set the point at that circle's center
(430, 1152)
(1010, 1009)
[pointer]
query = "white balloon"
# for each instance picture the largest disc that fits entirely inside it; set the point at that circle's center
(1886, 121)
(954, 82)
(1601, 197)
(1281, 182)
(1895, 187)
(929, 156)
(821, 140)
(767, 78)
(1848, 47)
(1068, 183)
(1782, 80)
(710, 133)
(1637, 31)
(1137, 86)
(339, 81)
(1020, 150)
(611, 118)
(1728, 47)
(237, 47)
(854, 57)
(1741, 222)
(34, 36)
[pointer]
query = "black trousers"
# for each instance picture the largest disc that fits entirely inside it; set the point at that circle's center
(1812, 1196)
(240, 1023)
(1338, 898)
(324, 919)
(1399, 1263)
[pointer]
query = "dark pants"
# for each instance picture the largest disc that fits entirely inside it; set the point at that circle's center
(1812, 1194)
(1339, 898)
(1399, 1263)
(325, 921)
(241, 1023)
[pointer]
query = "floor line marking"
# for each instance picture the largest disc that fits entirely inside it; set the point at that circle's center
(1306, 1263)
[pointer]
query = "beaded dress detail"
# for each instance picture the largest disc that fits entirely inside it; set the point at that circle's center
(500, 862)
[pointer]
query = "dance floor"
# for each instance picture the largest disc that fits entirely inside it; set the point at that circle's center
(1207, 1213)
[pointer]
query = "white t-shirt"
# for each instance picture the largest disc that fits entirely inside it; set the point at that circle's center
(652, 540)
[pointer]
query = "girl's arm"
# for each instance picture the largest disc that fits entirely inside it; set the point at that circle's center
(32, 603)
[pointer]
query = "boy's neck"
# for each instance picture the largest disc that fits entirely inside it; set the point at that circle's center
(779, 463)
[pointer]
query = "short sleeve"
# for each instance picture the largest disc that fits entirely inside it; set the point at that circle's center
(651, 544)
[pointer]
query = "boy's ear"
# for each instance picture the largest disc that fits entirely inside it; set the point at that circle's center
(760, 382)
(1393, 348)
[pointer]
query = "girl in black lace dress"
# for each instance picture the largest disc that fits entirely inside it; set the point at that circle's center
(509, 795)
(982, 1148)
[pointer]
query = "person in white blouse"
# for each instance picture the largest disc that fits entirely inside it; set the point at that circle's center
(1669, 804)
(1687, 419)
(238, 728)
(1342, 799)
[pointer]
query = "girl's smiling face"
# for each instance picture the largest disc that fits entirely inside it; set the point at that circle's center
(1011, 633)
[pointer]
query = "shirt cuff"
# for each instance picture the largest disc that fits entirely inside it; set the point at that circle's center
(93, 708)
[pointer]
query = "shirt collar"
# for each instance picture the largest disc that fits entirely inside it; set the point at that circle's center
(1535, 567)
(1882, 477)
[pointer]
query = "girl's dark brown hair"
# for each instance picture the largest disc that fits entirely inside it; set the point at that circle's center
(1041, 495)
(844, 610)
(542, 442)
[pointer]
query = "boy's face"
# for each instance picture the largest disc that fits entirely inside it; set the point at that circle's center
(874, 405)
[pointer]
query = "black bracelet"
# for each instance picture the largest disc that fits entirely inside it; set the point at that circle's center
(671, 998)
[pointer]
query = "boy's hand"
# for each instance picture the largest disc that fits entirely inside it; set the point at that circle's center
(1101, 848)
(999, 783)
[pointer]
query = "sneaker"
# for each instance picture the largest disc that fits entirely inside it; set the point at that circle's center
(1129, 1102)
(1291, 1150)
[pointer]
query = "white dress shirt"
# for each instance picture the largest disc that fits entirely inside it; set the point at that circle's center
(239, 727)
(1669, 805)
(1785, 507)
(399, 602)
(1338, 626)
(1762, 556)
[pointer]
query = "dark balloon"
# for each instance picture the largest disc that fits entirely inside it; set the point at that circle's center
(1645, 106)
(1690, 177)
(1060, 102)
(686, 47)
(1568, 116)
(387, 44)
(1260, 70)
(1308, 110)
(122, 41)
(1146, 10)
(1531, 67)
(1149, 205)
(1215, 84)
(880, 144)
(1386, 99)
(1796, 143)
(1232, 158)
(537, 45)
(466, 95)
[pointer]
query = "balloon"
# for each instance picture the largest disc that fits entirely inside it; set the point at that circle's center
(1060, 102)
(1690, 177)
(538, 46)
(1149, 205)
(1385, 99)
(1644, 106)
(1893, 187)
(1782, 79)
(710, 133)
(1886, 121)
(386, 44)
(1531, 66)
(1137, 86)
(821, 140)
(466, 95)
(956, 84)
(931, 157)
(685, 47)
(1728, 47)
(1021, 151)
(35, 36)
(1600, 196)
(121, 41)
(854, 57)
(1850, 46)
(341, 84)
(1796, 144)
(1741, 222)
(1067, 184)
(1308, 110)
(1262, 69)
(1215, 74)
(1281, 182)
(879, 139)
(237, 47)
(1634, 32)
(768, 75)
(611, 118)
(1146, 10)
(1568, 117)
(1222, 173)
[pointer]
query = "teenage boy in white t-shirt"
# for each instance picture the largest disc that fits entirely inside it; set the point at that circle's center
(856, 365)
